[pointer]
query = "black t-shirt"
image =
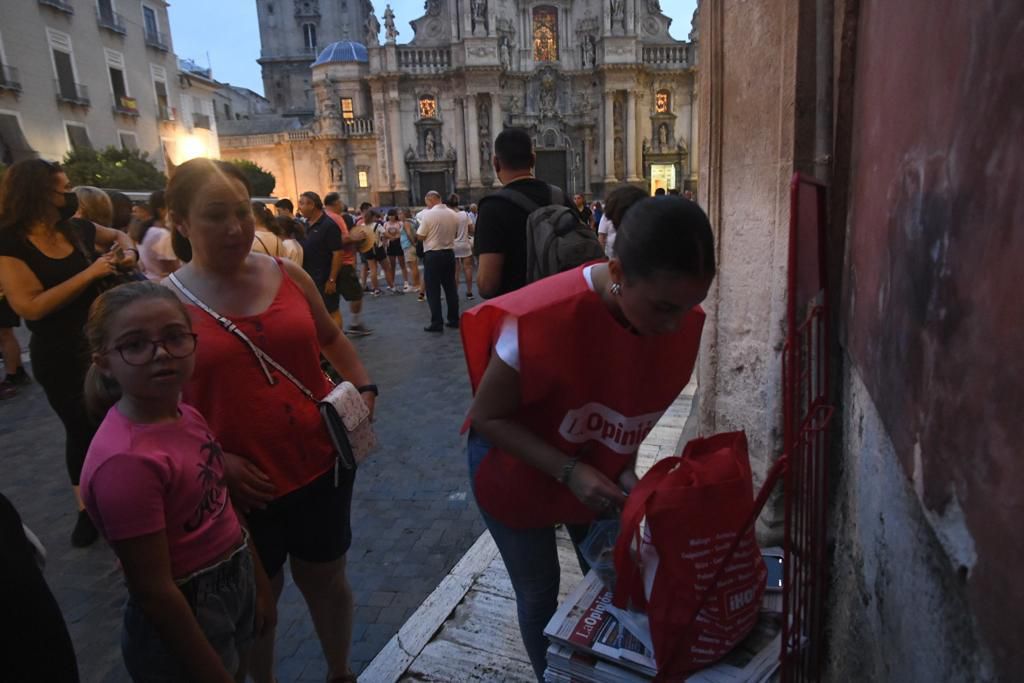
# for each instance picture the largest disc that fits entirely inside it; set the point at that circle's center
(501, 229)
(67, 323)
(323, 238)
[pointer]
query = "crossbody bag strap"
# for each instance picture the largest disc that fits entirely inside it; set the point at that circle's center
(261, 355)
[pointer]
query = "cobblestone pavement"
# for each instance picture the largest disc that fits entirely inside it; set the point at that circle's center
(413, 516)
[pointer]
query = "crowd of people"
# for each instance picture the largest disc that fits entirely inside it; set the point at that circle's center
(180, 349)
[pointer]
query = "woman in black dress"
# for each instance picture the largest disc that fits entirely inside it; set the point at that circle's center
(50, 275)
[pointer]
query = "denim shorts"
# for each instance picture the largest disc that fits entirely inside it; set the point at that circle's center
(223, 600)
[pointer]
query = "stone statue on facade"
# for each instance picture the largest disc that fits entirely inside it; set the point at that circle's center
(548, 95)
(485, 155)
(484, 118)
(504, 53)
(662, 136)
(478, 14)
(618, 8)
(389, 24)
(432, 7)
(589, 51)
(430, 145)
(410, 154)
(653, 7)
(372, 28)
(336, 173)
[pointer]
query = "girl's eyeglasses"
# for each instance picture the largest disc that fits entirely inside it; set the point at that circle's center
(141, 351)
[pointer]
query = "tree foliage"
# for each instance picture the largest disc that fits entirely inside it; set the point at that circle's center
(261, 181)
(121, 169)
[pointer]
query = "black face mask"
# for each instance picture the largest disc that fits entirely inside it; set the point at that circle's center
(70, 206)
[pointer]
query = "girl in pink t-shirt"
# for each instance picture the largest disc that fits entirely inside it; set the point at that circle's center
(153, 484)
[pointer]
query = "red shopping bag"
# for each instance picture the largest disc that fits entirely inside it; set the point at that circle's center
(696, 569)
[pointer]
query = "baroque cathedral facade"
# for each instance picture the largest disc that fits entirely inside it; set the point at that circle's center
(607, 95)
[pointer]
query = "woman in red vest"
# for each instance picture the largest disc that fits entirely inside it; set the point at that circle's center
(569, 376)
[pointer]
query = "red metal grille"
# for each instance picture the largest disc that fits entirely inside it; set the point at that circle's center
(806, 416)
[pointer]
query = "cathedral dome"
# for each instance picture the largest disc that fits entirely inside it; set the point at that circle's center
(341, 52)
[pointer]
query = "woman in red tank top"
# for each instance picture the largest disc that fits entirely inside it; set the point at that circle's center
(279, 462)
(569, 374)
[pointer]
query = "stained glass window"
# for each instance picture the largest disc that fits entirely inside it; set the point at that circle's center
(545, 34)
(428, 107)
(662, 102)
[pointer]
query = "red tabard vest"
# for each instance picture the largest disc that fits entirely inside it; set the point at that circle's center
(583, 378)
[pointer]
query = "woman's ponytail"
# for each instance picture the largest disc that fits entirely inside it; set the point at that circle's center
(101, 393)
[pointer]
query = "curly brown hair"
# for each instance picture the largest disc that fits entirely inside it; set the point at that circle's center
(26, 196)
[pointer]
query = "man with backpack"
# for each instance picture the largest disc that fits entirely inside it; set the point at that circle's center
(528, 229)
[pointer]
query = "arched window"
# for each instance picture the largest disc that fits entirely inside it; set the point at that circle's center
(428, 107)
(545, 34)
(662, 102)
(309, 36)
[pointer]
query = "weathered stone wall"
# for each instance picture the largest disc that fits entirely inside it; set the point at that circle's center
(898, 611)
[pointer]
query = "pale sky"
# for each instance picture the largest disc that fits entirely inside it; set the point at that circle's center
(224, 34)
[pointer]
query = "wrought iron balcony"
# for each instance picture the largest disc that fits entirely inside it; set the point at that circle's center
(72, 93)
(61, 5)
(157, 40)
(112, 21)
(9, 79)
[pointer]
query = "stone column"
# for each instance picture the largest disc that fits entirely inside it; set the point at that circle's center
(395, 138)
(460, 142)
(496, 127)
(694, 147)
(588, 152)
(472, 144)
(631, 141)
(608, 136)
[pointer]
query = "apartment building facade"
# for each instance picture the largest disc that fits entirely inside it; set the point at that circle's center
(94, 74)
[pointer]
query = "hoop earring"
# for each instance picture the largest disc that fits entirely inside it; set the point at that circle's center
(615, 289)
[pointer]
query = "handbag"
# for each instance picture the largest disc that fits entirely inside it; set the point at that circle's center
(696, 569)
(345, 414)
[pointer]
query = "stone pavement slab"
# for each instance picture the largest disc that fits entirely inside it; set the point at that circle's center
(412, 515)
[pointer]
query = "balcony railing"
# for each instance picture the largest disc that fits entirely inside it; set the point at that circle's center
(112, 21)
(201, 121)
(62, 5)
(424, 60)
(157, 40)
(126, 106)
(358, 127)
(665, 56)
(72, 93)
(9, 79)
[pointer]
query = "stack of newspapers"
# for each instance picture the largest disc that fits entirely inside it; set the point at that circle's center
(594, 642)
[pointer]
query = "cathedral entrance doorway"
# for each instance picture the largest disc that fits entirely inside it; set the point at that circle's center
(553, 168)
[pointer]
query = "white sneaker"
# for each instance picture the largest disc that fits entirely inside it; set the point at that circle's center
(406, 287)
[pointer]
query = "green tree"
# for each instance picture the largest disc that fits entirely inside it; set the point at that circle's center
(261, 180)
(113, 168)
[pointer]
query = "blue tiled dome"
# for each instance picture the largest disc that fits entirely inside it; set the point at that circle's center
(341, 52)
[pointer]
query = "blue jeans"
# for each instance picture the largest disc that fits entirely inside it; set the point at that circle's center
(531, 558)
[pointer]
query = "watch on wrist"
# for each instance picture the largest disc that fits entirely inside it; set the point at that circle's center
(372, 388)
(567, 469)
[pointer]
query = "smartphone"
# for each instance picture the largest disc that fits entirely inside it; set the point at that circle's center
(775, 574)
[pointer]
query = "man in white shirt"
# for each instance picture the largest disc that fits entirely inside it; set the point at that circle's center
(438, 228)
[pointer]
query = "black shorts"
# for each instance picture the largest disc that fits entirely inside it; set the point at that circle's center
(395, 248)
(330, 301)
(8, 318)
(348, 284)
(312, 523)
(378, 253)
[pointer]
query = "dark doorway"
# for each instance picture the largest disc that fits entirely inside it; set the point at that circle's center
(552, 167)
(434, 180)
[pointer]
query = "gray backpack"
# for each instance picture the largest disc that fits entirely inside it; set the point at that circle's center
(556, 239)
